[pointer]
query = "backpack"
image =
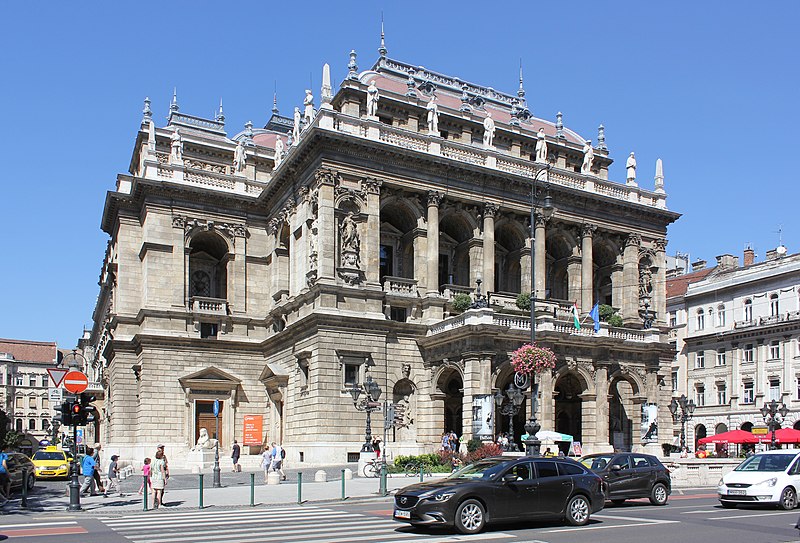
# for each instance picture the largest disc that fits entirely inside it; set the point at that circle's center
(283, 453)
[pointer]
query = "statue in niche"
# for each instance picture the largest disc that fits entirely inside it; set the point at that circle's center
(177, 146)
(645, 282)
(488, 130)
(239, 157)
(541, 147)
(588, 158)
(308, 102)
(296, 127)
(350, 242)
(630, 166)
(433, 116)
(204, 442)
(372, 99)
(312, 244)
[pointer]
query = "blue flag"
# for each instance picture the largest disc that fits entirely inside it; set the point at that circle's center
(595, 314)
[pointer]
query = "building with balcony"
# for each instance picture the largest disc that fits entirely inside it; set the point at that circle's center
(737, 330)
(275, 269)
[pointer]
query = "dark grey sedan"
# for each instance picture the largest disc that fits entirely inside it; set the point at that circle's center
(503, 489)
(631, 475)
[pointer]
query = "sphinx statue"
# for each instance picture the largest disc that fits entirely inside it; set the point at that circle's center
(204, 442)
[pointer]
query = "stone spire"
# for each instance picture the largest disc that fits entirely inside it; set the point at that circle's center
(382, 49)
(326, 92)
(521, 91)
(560, 125)
(352, 67)
(173, 106)
(659, 176)
(220, 117)
(601, 138)
(275, 103)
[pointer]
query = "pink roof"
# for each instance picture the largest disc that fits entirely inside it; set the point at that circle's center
(30, 351)
(268, 140)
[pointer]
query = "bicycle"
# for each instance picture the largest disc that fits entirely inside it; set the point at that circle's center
(372, 468)
(413, 468)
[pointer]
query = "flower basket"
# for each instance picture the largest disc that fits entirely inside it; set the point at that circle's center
(530, 359)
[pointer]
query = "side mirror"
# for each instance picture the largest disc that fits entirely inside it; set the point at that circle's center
(615, 467)
(509, 478)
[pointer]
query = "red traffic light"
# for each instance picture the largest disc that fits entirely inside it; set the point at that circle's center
(76, 409)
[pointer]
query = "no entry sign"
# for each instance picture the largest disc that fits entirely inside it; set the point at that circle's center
(75, 382)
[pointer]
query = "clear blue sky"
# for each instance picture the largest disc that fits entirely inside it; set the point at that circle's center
(711, 87)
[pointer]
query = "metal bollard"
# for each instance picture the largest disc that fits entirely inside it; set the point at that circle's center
(200, 503)
(144, 491)
(344, 497)
(383, 479)
(24, 502)
(252, 489)
(299, 487)
(421, 472)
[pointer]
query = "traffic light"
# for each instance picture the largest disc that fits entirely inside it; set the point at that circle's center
(76, 415)
(89, 411)
(64, 414)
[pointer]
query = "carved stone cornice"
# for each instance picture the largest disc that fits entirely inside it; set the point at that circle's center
(232, 230)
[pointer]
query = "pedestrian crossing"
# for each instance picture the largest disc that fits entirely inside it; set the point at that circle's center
(279, 524)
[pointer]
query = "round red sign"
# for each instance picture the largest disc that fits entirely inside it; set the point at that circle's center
(75, 382)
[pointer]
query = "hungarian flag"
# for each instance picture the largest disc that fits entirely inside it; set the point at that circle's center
(575, 319)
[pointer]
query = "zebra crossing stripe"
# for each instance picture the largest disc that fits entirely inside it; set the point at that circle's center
(166, 520)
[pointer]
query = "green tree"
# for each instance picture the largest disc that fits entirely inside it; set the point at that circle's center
(461, 301)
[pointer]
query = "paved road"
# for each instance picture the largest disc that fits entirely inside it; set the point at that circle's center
(694, 516)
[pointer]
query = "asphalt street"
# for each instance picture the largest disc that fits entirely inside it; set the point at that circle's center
(690, 516)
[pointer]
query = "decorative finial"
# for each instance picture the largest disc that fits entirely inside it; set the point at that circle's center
(601, 138)
(521, 91)
(411, 84)
(382, 49)
(465, 107)
(275, 101)
(352, 67)
(173, 106)
(146, 112)
(248, 133)
(220, 115)
(560, 125)
(326, 92)
(659, 176)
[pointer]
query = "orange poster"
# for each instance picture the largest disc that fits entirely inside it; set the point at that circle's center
(253, 429)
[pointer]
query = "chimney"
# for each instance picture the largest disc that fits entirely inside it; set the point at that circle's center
(749, 257)
(698, 265)
(727, 262)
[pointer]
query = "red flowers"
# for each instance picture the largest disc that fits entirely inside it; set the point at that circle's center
(530, 359)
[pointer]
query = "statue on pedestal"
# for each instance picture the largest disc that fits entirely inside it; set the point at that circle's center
(239, 157)
(588, 158)
(308, 102)
(296, 127)
(372, 99)
(279, 147)
(204, 442)
(488, 130)
(433, 116)
(630, 165)
(176, 154)
(350, 242)
(541, 147)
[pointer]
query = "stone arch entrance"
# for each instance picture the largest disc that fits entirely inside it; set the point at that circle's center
(502, 422)
(621, 414)
(569, 405)
(699, 433)
(451, 385)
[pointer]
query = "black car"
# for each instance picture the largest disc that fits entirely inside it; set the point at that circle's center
(631, 475)
(17, 462)
(503, 489)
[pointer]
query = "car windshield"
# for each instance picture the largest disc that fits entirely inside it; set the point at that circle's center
(482, 469)
(44, 455)
(596, 462)
(766, 462)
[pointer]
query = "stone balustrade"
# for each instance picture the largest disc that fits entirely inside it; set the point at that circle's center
(400, 286)
(209, 306)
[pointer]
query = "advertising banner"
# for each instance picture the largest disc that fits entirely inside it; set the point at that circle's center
(483, 416)
(253, 430)
(649, 423)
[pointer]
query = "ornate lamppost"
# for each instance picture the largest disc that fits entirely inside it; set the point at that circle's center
(682, 410)
(509, 405)
(646, 314)
(532, 427)
(773, 414)
(368, 404)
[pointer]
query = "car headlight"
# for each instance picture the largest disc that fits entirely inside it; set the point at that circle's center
(721, 482)
(443, 496)
(769, 482)
(62, 466)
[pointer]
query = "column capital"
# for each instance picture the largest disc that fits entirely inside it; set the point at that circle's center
(326, 176)
(371, 185)
(660, 244)
(541, 220)
(633, 239)
(490, 209)
(434, 198)
(587, 230)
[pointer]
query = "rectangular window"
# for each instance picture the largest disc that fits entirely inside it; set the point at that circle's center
(44, 380)
(701, 320)
(722, 394)
(798, 389)
(747, 392)
(18, 402)
(721, 315)
(721, 359)
(748, 353)
(18, 380)
(700, 395)
(352, 370)
(32, 381)
(775, 389)
(700, 360)
(673, 320)
(775, 350)
(675, 382)
(32, 402)
(45, 403)
(302, 366)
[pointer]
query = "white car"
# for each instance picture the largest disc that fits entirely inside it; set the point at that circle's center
(771, 477)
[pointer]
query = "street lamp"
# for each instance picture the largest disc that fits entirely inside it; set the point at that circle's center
(773, 414)
(509, 405)
(368, 404)
(646, 314)
(532, 427)
(686, 409)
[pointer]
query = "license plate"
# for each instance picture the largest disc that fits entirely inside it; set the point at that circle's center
(399, 513)
(736, 492)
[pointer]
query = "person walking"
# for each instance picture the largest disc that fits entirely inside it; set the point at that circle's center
(276, 460)
(235, 453)
(158, 477)
(88, 468)
(266, 461)
(113, 477)
(146, 472)
(98, 482)
(5, 478)
(166, 467)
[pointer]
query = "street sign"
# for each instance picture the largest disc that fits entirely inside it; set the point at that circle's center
(75, 382)
(80, 436)
(216, 408)
(56, 395)
(759, 430)
(57, 375)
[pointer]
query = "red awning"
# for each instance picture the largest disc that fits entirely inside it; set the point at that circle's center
(783, 435)
(734, 436)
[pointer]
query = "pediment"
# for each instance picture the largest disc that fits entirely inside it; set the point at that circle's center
(210, 378)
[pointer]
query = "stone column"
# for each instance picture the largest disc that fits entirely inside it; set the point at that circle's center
(489, 211)
(525, 268)
(546, 405)
(602, 442)
(574, 273)
(761, 386)
(660, 280)
(237, 284)
(472, 385)
(326, 243)
(540, 257)
(587, 267)
(630, 280)
(434, 199)
(616, 285)
(371, 250)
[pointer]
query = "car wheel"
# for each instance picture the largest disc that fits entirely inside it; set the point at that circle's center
(788, 499)
(659, 496)
(578, 511)
(728, 505)
(31, 482)
(470, 517)
(618, 502)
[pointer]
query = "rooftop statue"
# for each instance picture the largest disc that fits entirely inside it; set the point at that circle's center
(541, 147)
(176, 154)
(488, 130)
(296, 127)
(239, 157)
(372, 99)
(630, 165)
(433, 116)
(308, 102)
(588, 158)
(279, 148)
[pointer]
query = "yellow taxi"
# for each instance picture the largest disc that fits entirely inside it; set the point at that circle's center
(50, 462)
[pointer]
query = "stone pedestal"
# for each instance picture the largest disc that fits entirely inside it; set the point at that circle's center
(320, 476)
(200, 461)
(274, 478)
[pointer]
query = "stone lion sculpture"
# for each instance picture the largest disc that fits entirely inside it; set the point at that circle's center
(204, 442)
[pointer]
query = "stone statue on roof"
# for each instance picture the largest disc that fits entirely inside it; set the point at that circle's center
(630, 166)
(176, 153)
(433, 116)
(308, 102)
(239, 157)
(541, 147)
(488, 130)
(279, 147)
(372, 99)
(296, 127)
(588, 158)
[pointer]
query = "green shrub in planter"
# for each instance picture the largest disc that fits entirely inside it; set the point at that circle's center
(614, 320)
(461, 301)
(524, 301)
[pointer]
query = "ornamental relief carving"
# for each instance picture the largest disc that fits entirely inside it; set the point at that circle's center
(230, 230)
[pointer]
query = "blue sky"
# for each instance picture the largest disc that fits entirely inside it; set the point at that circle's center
(709, 87)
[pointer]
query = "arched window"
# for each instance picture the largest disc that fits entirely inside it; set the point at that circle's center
(748, 310)
(773, 305)
(701, 319)
(208, 266)
(32, 424)
(720, 315)
(18, 425)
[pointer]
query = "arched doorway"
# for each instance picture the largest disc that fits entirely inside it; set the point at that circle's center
(748, 426)
(796, 425)
(503, 422)
(699, 433)
(568, 408)
(620, 414)
(452, 385)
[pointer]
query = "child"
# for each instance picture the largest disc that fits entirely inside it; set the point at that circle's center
(113, 477)
(146, 473)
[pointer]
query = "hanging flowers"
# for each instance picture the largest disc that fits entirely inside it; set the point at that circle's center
(530, 359)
